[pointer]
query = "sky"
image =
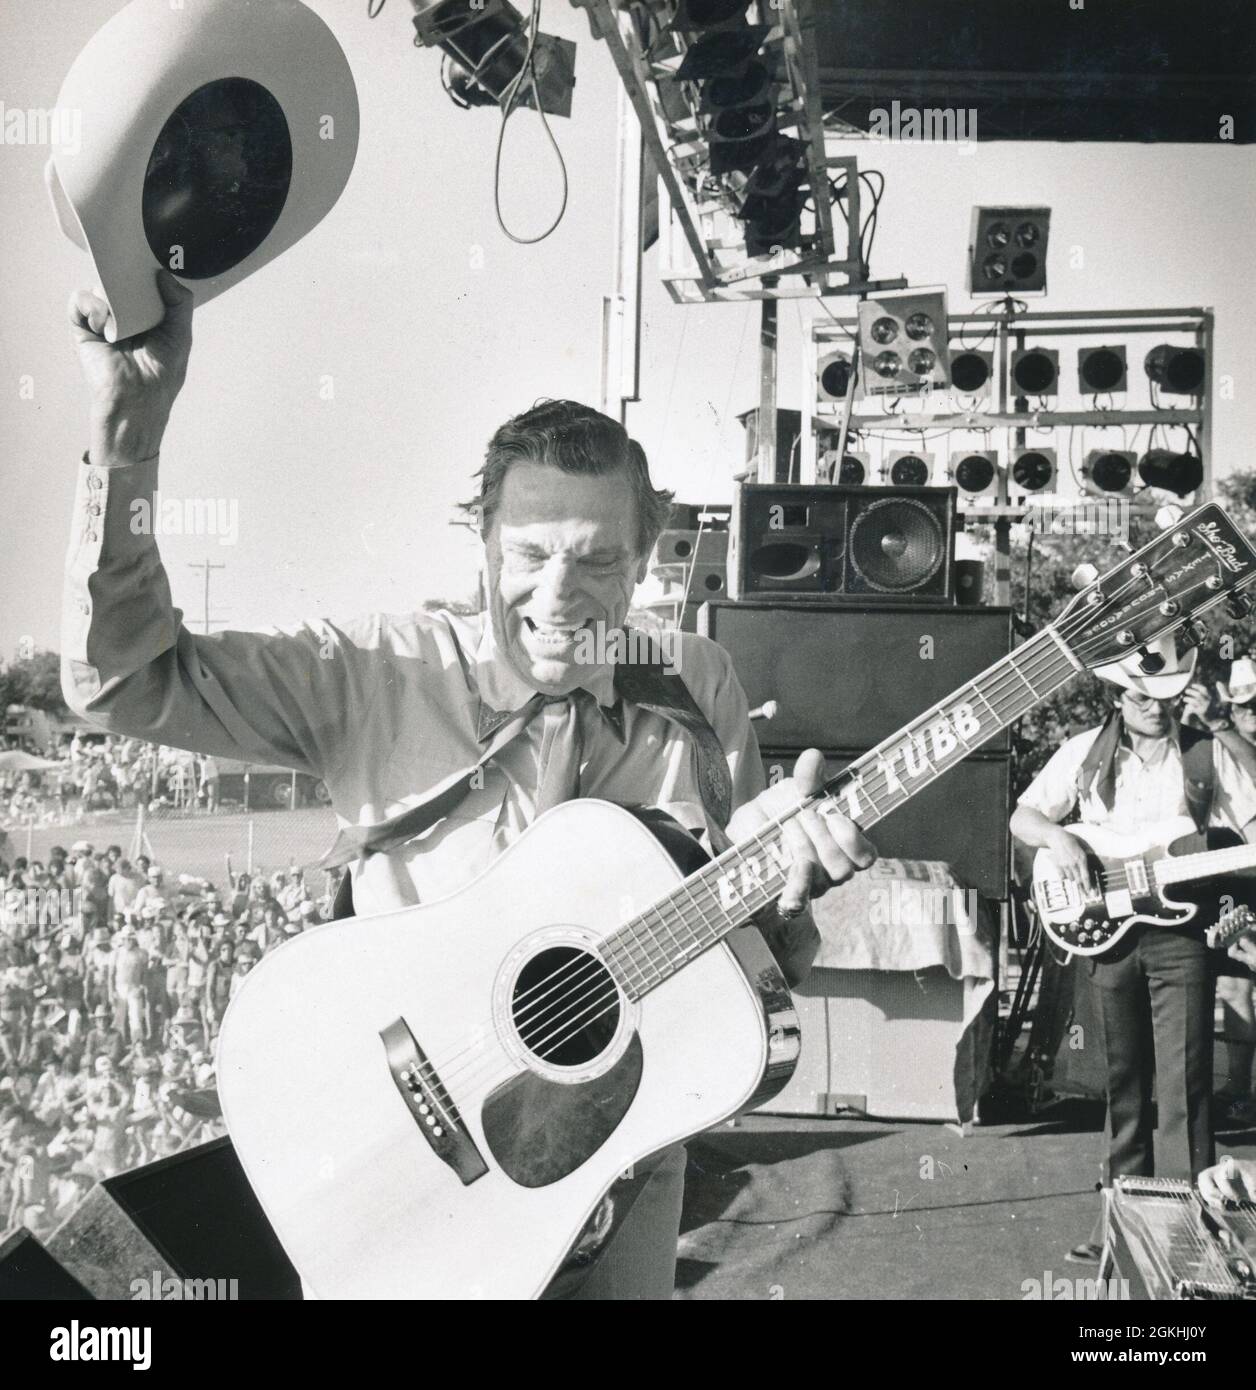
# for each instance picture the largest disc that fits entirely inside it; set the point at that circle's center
(432, 327)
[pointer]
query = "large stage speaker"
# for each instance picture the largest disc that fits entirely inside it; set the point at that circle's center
(961, 819)
(870, 545)
(190, 1216)
(28, 1273)
(847, 677)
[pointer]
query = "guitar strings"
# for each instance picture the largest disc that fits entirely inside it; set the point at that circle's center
(1057, 668)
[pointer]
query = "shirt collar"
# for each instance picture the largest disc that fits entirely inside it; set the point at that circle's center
(503, 692)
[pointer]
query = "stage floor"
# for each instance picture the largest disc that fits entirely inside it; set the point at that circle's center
(780, 1208)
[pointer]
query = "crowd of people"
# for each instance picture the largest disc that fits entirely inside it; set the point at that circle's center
(107, 774)
(114, 978)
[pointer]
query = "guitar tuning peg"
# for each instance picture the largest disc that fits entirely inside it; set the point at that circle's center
(1150, 663)
(1084, 576)
(1194, 634)
(1238, 605)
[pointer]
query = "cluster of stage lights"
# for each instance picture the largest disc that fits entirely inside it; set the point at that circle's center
(903, 353)
(1031, 469)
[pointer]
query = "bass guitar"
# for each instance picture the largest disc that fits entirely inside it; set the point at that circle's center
(1130, 879)
(434, 1102)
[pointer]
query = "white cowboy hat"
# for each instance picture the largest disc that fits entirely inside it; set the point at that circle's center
(214, 135)
(1241, 687)
(1170, 680)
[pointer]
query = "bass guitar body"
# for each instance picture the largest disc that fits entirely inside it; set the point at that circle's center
(434, 1102)
(1127, 892)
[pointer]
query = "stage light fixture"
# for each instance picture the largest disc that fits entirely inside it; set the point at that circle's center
(1032, 470)
(903, 339)
(971, 370)
(1109, 472)
(1036, 371)
(1101, 369)
(854, 469)
(833, 376)
(1178, 371)
(975, 472)
(771, 210)
(485, 43)
(908, 468)
(1007, 251)
(1180, 474)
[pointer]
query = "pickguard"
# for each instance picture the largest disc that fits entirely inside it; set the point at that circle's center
(540, 1130)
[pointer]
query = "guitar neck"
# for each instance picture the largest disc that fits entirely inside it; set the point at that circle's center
(727, 892)
(1181, 868)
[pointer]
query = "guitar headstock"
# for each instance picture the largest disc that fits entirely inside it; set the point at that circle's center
(1193, 566)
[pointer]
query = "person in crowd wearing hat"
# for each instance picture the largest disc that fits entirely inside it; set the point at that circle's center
(151, 892)
(103, 1039)
(1153, 991)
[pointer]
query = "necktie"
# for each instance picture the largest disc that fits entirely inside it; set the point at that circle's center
(561, 750)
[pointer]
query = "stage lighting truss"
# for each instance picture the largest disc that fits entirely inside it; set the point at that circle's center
(728, 99)
(972, 371)
(1033, 470)
(1035, 371)
(1007, 251)
(1008, 391)
(975, 472)
(903, 343)
(1109, 472)
(854, 469)
(1101, 370)
(907, 468)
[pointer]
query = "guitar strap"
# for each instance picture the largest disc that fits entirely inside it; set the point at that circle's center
(1199, 773)
(651, 684)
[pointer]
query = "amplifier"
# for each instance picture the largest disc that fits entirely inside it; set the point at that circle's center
(679, 547)
(831, 542)
(961, 819)
(847, 677)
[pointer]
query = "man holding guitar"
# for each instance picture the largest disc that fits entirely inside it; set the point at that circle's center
(441, 738)
(1153, 990)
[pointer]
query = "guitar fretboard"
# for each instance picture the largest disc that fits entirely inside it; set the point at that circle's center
(747, 877)
(1181, 868)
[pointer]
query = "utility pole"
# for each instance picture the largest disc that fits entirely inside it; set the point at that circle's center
(207, 566)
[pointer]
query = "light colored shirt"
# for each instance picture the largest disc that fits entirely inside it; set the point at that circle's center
(1147, 791)
(386, 710)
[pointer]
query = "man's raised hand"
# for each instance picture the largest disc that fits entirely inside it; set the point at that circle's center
(133, 383)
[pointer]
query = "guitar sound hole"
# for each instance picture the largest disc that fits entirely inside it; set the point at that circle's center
(565, 1006)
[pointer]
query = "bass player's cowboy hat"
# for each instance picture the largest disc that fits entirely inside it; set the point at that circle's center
(1172, 674)
(1241, 687)
(215, 135)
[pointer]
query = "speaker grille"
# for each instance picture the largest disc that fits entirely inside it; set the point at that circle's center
(897, 545)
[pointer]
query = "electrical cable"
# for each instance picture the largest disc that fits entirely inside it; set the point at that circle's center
(508, 107)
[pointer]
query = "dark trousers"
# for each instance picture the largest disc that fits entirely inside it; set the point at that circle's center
(1153, 1005)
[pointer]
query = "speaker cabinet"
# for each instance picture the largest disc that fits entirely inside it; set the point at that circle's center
(961, 819)
(846, 676)
(190, 1216)
(830, 542)
(28, 1273)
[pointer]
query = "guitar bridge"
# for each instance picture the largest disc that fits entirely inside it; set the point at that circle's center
(429, 1103)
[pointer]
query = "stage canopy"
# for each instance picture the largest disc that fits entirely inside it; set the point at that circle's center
(1165, 70)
